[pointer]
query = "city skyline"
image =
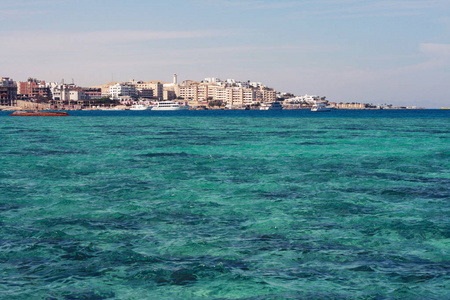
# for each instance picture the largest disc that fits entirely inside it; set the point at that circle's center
(375, 52)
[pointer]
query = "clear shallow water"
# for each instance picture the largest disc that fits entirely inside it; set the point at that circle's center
(232, 205)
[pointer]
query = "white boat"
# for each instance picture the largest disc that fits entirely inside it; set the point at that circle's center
(169, 105)
(271, 106)
(318, 106)
(140, 107)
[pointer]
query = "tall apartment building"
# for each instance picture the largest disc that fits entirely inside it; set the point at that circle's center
(189, 92)
(33, 88)
(248, 96)
(221, 94)
(268, 95)
(26, 88)
(235, 96)
(211, 91)
(203, 92)
(8, 91)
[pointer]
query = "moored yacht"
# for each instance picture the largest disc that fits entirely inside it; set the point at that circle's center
(319, 106)
(169, 105)
(271, 106)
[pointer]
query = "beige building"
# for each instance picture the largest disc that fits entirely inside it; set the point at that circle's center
(232, 95)
(155, 85)
(248, 96)
(203, 92)
(189, 92)
(221, 94)
(268, 95)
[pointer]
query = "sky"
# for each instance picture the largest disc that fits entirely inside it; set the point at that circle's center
(371, 51)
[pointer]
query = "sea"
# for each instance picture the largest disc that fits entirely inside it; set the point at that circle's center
(292, 204)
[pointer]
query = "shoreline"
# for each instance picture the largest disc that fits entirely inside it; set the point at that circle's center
(16, 108)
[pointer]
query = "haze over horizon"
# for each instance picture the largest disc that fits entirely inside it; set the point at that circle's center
(376, 51)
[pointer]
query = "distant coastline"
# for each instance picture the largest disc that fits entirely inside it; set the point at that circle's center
(33, 106)
(208, 94)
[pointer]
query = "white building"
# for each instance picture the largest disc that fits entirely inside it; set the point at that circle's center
(59, 91)
(76, 95)
(122, 89)
(305, 98)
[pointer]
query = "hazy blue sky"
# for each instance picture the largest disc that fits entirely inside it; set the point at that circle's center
(379, 51)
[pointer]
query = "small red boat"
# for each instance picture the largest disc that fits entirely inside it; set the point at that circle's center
(39, 114)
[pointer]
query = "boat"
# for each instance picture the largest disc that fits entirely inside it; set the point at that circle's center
(22, 113)
(169, 105)
(318, 106)
(271, 106)
(140, 107)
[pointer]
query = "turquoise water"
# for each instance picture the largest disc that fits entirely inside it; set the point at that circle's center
(225, 205)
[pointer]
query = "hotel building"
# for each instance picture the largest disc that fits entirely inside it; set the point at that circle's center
(122, 89)
(230, 92)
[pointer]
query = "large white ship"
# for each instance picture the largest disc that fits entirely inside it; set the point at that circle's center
(271, 106)
(169, 105)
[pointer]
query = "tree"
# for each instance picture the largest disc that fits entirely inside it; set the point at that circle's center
(105, 100)
(215, 103)
(288, 95)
